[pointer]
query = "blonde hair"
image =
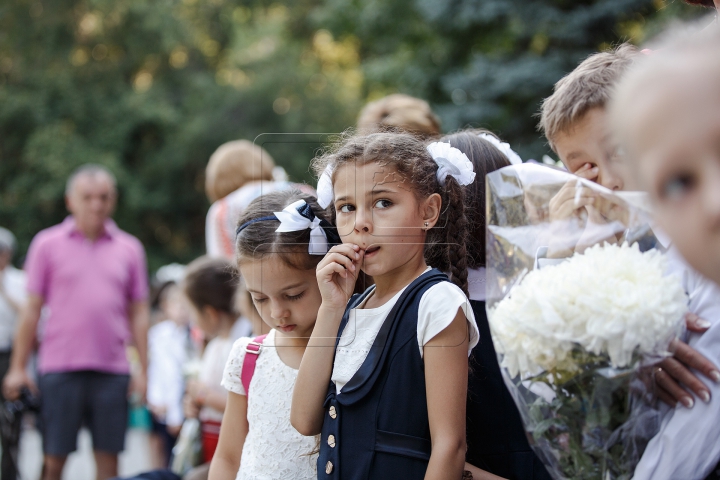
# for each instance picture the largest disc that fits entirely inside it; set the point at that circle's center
(399, 112)
(234, 164)
(683, 57)
(589, 85)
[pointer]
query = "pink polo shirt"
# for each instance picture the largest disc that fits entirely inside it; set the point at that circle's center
(88, 288)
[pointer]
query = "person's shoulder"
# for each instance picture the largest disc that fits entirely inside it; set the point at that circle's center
(128, 237)
(130, 241)
(50, 234)
(239, 348)
(445, 289)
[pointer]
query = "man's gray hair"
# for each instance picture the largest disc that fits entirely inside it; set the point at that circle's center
(7, 240)
(91, 170)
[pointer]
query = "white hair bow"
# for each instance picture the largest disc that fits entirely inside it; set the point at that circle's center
(451, 161)
(503, 147)
(299, 216)
(325, 188)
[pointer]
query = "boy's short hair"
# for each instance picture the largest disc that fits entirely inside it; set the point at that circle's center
(400, 112)
(589, 85)
(234, 164)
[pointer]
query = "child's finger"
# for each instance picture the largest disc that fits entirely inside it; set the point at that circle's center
(330, 270)
(588, 172)
(570, 206)
(348, 249)
(341, 259)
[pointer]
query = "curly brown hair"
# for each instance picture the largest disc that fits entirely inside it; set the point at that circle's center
(409, 157)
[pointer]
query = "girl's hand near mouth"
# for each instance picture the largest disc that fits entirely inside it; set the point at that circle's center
(337, 273)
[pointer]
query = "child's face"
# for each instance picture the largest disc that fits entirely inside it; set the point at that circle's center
(588, 142)
(378, 211)
(674, 141)
(286, 298)
(175, 305)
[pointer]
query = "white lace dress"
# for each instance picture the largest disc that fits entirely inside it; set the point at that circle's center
(273, 449)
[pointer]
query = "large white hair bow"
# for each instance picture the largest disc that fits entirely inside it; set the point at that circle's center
(292, 220)
(451, 161)
(503, 147)
(325, 188)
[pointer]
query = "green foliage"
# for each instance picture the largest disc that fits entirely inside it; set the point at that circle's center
(151, 88)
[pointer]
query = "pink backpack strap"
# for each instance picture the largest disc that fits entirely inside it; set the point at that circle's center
(252, 351)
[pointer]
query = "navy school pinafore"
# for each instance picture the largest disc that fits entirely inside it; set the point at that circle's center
(377, 427)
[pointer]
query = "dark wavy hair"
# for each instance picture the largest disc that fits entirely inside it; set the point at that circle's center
(408, 156)
(486, 158)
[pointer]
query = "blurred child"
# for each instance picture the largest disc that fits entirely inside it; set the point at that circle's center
(237, 173)
(401, 112)
(210, 285)
(575, 121)
(496, 439)
(388, 399)
(168, 346)
(280, 240)
(675, 157)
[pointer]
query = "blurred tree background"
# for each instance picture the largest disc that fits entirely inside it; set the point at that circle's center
(151, 87)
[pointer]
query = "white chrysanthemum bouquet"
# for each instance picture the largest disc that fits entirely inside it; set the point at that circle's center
(611, 300)
(573, 330)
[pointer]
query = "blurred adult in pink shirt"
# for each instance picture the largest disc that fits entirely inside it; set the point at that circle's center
(92, 278)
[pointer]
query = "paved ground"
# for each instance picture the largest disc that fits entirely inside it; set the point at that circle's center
(80, 465)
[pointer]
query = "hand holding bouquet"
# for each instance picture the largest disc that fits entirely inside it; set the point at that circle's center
(573, 335)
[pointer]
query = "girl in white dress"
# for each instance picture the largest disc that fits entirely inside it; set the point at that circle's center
(280, 239)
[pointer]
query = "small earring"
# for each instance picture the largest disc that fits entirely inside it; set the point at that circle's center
(426, 225)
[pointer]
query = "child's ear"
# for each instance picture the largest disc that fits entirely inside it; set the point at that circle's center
(431, 209)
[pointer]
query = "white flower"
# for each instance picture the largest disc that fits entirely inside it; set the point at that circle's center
(451, 161)
(611, 300)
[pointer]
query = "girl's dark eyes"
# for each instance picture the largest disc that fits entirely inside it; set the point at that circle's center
(383, 203)
(347, 208)
(296, 297)
(678, 186)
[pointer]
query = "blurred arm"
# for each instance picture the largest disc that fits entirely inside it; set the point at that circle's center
(16, 377)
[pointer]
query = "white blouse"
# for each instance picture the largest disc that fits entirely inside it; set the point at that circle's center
(273, 449)
(437, 309)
